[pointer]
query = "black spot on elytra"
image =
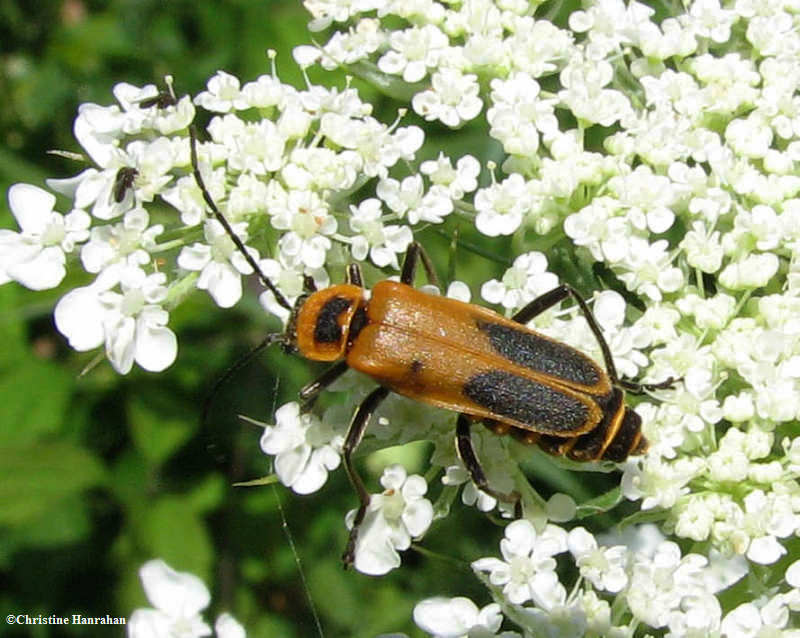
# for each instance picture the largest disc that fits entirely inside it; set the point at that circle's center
(509, 395)
(538, 353)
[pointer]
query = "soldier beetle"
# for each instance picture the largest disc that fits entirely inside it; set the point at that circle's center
(461, 357)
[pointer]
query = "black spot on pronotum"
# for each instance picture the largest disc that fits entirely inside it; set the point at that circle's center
(539, 353)
(544, 408)
(328, 329)
(416, 366)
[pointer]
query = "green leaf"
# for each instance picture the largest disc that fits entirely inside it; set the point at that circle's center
(37, 478)
(599, 504)
(208, 494)
(34, 396)
(642, 517)
(65, 522)
(270, 479)
(156, 435)
(171, 529)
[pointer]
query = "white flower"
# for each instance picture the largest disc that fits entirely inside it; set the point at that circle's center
(129, 241)
(605, 568)
(307, 218)
(148, 108)
(457, 617)
(470, 495)
(266, 91)
(667, 590)
(408, 199)
(647, 198)
(35, 256)
(459, 180)
(452, 98)
(767, 518)
(523, 282)
(145, 164)
(527, 571)
(519, 114)
(358, 43)
(185, 194)
(709, 20)
(583, 93)
(648, 269)
(227, 626)
(178, 598)
(413, 51)
(378, 146)
(657, 482)
(220, 263)
(305, 448)
(222, 94)
(496, 462)
(703, 249)
(502, 206)
(257, 147)
(754, 620)
(131, 323)
(393, 518)
(752, 271)
(382, 243)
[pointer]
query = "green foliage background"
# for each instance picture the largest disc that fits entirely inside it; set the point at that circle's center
(99, 473)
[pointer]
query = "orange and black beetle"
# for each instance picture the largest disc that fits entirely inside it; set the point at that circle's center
(464, 358)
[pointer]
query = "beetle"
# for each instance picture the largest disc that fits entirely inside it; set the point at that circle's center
(461, 357)
(123, 182)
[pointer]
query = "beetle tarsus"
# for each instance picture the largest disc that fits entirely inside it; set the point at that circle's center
(349, 555)
(466, 452)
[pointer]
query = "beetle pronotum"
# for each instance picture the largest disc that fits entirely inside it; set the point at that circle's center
(461, 357)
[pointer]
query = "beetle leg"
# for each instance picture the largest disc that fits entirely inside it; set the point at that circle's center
(414, 254)
(466, 453)
(309, 285)
(354, 435)
(550, 299)
(354, 275)
(310, 391)
(639, 388)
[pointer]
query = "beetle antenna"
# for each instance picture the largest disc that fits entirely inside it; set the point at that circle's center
(274, 337)
(222, 220)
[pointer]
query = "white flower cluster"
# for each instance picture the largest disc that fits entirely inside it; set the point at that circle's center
(177, 599)
(690, 195)
(278, 158)
(643, 574)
